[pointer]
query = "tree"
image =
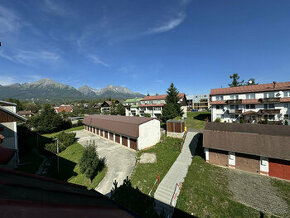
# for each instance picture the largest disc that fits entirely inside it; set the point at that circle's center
(235, 77)
(172, 108)
(16, 101)
(120, 110)
(89, 162)
(251, 81)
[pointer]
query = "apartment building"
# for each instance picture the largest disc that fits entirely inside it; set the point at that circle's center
(106, 106)
(198, 102)
(153, 105)
(131, 106)
(253, 103)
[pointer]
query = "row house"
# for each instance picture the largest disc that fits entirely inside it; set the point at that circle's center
(253, 103)
(131, 106)
(153, 105)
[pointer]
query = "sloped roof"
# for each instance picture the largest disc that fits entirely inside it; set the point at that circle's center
(160, 97)
(6, 103)
(128, 126)
(257, 139)
(133, 100)
(9, 116)
(252, 88)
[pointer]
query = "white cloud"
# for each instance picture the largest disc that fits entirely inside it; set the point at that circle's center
(6, 80)
(97, 60)
(9, 21)
(169, 25)
(53, 7)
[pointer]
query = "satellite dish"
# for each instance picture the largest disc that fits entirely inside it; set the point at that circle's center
(250, 81)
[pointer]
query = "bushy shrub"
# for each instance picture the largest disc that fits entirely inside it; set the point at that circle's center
(286, 122)
(51, 147)
(66, 139)
(218, 120)
(90, 163)
(80, 123)
(241, 120)
(147, 115)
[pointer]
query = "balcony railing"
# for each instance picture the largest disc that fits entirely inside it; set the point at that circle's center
(269, 100)
(237, 101)
(270, 111)
(233, 111)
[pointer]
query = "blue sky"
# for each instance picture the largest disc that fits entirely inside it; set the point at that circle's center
(145, 45)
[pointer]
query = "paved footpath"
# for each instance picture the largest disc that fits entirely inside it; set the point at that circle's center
(175, 175)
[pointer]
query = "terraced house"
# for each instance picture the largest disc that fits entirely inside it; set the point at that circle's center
(153, 105)
(253, 103)
(131, 106)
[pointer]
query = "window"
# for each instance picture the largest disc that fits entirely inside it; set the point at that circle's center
(232, 116)
(263, 162)
(232, 107)
(219, 97)
(231, 155)
(233, 97)
(269, 95)
(219, 107)
(250, 96)
(269, 116)
(250, 106)
(286, 105)
(271, 106)
(286, 116)
(218, 116)
(287, 94)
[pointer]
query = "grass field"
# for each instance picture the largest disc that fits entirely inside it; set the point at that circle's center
(205, 194)
(196, 120)
(166, 152)
(283, 188)
(69, 168)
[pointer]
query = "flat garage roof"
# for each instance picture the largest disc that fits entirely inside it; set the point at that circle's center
(128, 126)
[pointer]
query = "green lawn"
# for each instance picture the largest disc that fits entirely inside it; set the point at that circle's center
(69, 168)
(144, 175)
(51, 135)
(204, 193)
(195, 120)
(283, 188)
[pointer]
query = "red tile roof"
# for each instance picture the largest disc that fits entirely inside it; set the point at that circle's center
(150, 105)
(251, 88)
(217, 102)
(285, 100)
(66, 108)
(160, 97)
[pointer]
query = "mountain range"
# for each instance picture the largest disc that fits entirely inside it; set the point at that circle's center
(47, 89)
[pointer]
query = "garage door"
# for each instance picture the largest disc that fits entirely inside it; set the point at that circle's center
(125, 141)
(133, 144)
(279, 168)
(247, 162)
(111, 136)
(218, 157)
(106, 134)
(117, 138)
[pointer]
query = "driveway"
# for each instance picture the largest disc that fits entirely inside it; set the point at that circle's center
(119, 159)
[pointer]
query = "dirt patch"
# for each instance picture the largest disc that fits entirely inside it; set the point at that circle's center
(148, 158)
(257, 192)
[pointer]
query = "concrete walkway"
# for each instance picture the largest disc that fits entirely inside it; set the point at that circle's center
(176, 174)
(119, 159)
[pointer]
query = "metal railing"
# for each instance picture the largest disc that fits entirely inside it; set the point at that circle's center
(157, 179)
(176, 192)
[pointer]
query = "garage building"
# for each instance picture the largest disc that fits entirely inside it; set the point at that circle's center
(257, 148)
(133, 132)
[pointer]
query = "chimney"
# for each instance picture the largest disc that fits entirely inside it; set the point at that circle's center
(274, 84)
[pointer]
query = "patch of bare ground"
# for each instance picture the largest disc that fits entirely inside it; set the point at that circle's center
(257, 191)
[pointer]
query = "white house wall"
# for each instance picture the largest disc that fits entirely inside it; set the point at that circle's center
(149, 134)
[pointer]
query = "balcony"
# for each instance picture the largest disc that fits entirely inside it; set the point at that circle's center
(270, 111)
(233, 111)
(231, 102)
(269, 100)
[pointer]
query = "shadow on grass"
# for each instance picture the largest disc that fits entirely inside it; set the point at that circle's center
(202, 117)
(140, 204)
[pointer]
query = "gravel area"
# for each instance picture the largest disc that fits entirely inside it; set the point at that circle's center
(148, 158)
(256, 191)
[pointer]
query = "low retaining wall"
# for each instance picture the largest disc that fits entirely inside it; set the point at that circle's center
(175, 134)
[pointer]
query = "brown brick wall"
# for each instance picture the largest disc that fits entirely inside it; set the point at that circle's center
(218, 157)
(247, 162)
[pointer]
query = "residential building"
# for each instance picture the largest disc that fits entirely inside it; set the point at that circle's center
(260, 148)
(8, 130)
(64, 108)
(198, 102)
(153, 105)
(253, 103)
(133, 132)
(106, 106)
(25, 113)
(131, 106)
